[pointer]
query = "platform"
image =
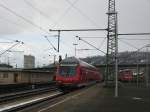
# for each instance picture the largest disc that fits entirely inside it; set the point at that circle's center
(99, 99)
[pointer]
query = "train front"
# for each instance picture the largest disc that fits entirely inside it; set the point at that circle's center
(67, 75)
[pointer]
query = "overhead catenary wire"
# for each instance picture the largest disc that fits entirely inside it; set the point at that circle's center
(12, 22)
(73, 5)
(131, 34)
(133, 39)
(128, 44)
(85, 49)
(72, 30)
(54, 36)
(50, 43)
(14, 40)
(146, 33)
(5, 38)
(82, 13)
(139, 38)
(93, 37)
(25, 44)
(42, 13)
(18, 42)
(101, 44)
(28, 21)
(77, 30)
(90, 45)
(6, 42)
(38, 10)
(133, 53)
(66, 44)
(64, 14)
(23, 18)
(137, 49)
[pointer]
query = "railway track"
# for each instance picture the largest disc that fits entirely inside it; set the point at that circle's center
(33, 101)
(47, 104)
(15, 101)
(12, 96)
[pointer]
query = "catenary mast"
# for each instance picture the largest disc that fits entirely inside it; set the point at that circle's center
(112, 44)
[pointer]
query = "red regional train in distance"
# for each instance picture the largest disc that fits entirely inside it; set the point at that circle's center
(126, 75)
(73, 72)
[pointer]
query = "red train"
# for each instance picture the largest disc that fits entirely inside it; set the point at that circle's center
(73, 72)
(126, 75)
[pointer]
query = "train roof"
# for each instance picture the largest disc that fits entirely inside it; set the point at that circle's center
(125, 70)
(74, 60)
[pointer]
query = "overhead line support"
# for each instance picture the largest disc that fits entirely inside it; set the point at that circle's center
(72, 30)
(121, 34)
(17, 42)
(91, 45)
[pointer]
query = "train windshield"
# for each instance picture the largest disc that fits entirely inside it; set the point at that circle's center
(67, 70)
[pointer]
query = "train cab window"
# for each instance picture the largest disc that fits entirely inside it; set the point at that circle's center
(5, 75)
(67, 70)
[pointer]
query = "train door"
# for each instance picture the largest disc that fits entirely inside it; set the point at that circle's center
(82, 75)
(16, 77)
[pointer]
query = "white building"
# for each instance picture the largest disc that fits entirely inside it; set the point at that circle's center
(29, 61)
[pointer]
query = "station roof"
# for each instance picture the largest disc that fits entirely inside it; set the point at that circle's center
(3, 65)
(22, 70)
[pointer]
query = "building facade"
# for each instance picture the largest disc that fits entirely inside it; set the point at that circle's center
(29, 61)
(25, 76)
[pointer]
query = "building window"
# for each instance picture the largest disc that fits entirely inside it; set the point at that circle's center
(5, 75)
(1, 75)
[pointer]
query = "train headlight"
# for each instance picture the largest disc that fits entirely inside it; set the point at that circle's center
(59, 81)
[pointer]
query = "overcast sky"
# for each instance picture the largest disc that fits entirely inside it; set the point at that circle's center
(30, 20)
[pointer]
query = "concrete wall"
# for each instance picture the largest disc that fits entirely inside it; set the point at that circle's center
(19, 77)
(40, 77)
(6, 80)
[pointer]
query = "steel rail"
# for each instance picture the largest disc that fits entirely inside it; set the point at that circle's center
(10, 97)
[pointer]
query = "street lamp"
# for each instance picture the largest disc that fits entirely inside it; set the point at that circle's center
(75, 48)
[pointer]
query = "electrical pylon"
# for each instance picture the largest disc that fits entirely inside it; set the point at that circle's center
(112, 42)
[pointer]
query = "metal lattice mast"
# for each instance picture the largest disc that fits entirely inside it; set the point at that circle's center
(111, 40)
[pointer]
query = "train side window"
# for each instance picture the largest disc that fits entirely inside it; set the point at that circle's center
(5, 75)
(81, 71)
